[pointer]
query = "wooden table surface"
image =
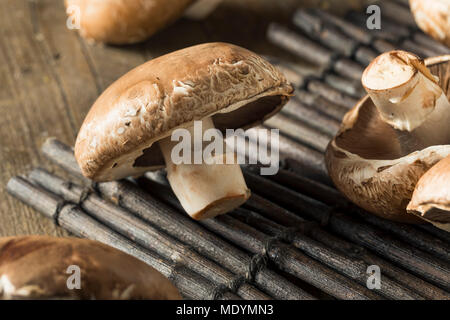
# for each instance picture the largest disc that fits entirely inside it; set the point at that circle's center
(49, 78)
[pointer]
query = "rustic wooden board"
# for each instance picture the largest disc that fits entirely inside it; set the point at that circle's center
(49, 78)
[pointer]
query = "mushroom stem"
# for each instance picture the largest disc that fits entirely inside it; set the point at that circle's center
(209, 188)
(409, 98)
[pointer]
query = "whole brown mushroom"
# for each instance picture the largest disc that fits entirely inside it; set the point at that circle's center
(38, 267)
(128, 129)
(393, 135)
(131, 21)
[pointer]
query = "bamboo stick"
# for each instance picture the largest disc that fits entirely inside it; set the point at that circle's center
(331, 94)
(389, 31)
(286, 218)
(422, 51)
(426, 41)
(144, 234)
(299, 76)
(347, 86)
(398, 36)
(72, 218)
(333, 197)
(302, 159)
(299, 131)
(418, 262)
(295, 109)
(320, 103)
(315, 27)
(365, 55)
(359, 34)
(438, 233)
(348, 68)
(299, 45)
(382, 45)
(180, 227)
(354, 268)
(313, 52)
(404, 3)
(397, 13)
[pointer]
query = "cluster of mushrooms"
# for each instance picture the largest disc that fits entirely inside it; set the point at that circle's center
(386, 143)
(391, 155)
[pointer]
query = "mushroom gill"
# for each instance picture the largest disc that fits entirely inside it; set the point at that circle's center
(387, 142)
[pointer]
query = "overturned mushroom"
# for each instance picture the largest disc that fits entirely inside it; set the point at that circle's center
(131, 21)
(433, 17)
(431, 198)
(224, 86)
(40, 267)
(394, 135)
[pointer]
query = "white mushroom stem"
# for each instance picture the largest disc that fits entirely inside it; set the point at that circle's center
(204, 190)
(201, 9)
(409, 98)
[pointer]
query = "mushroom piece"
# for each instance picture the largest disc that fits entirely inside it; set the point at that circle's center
(433, 17)
(431, 198)
(393, 135)
(131, 21)
(40, 267)
(224, 86)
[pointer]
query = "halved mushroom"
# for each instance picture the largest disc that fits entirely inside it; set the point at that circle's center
(431, 198)
(222, 85)
(433, 17)
(131, 21)
(40, 267)
(394, 135)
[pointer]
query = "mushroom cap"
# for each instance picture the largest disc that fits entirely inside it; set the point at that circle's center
(125, 22)
(35, 267)
(433, 17)
(431, 197)
(367, 163)
(234, 86)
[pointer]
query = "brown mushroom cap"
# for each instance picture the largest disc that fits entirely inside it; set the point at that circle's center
(431, 197)
(367, 162)
(234, 86)
(124, 22)
(35, 267)
(433, 17)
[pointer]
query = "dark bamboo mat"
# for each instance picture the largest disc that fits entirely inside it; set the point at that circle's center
(297, 237)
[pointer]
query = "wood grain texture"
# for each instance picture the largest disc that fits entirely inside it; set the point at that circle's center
(49, 78)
